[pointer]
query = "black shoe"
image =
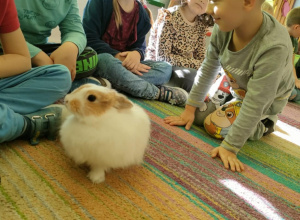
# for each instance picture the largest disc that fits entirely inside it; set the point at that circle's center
(45, 122)
(269, 126)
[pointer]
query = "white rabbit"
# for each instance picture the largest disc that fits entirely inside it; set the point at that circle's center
(105, 130)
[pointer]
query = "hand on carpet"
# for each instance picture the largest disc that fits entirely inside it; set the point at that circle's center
(186, 118)
(228, 158)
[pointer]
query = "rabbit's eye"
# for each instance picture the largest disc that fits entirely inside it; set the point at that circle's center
(91, 98)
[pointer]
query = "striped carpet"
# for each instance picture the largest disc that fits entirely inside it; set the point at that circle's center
(178, 179)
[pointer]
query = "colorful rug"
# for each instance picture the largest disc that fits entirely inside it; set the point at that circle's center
(178, 179)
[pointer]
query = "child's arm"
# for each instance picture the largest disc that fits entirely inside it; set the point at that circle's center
(41, 59)
(15, 52)
(97, 14)
(38, 57)
(73, 40)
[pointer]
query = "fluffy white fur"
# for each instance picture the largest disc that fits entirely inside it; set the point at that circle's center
(103, 134)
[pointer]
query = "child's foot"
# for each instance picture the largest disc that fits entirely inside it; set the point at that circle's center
(43, 123)
(173, 95)
(269, 126)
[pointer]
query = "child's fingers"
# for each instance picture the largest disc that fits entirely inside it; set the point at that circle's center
(145, 66)
(226, 163)
(241, 166)
(232, 165)
(224, 160)
(236, 165)
(73, 75)
(189, 125)
(137, 72)
(171, 118)
(123, 54)
(214, 152)
(177, 122)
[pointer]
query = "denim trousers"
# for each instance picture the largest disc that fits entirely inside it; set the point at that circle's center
(27, 93)
(124, 80)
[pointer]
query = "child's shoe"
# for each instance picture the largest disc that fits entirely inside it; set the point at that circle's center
(173, 95)
(269, 126)
(43, 123)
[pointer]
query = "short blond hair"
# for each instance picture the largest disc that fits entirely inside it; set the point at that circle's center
(293, 17)
(267, 7)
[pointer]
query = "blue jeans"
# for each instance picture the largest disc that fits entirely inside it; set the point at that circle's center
(28, 93)
(139, 86)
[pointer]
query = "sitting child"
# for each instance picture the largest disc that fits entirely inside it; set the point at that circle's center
(25, 92)
(293, 27)
(116, 29)
(38, 19)
(178, 37)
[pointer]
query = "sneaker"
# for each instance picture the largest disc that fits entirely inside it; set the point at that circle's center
(44, 123)
(269, 126)
(173, 95)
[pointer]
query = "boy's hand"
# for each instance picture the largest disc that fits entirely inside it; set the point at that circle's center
(66, 55)
(186, 118)
(228, 158)
(41, 59)
(132, 60)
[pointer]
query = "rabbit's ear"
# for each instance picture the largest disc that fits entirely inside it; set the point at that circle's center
(122, 102)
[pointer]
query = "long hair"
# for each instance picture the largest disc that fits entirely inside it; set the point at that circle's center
(118, 17)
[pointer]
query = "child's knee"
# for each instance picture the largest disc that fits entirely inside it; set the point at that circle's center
(62, 76)
(295, 96)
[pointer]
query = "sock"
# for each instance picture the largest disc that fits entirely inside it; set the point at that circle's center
(27, 128)
(158, 94)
